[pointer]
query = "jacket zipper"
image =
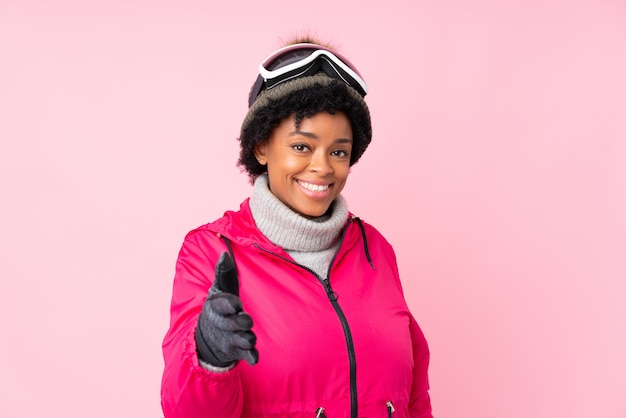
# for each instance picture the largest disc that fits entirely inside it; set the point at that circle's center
(332, 297)
(390, 409)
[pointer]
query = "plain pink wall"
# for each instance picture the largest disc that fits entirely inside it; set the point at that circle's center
(497, 170)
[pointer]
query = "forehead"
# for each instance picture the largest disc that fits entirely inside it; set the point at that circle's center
(322, 124)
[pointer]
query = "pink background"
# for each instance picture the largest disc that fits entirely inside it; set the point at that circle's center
(497, 170)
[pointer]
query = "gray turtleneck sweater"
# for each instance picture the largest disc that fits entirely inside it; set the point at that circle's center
(311, 242)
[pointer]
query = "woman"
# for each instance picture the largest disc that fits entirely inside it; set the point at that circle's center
(304, 292)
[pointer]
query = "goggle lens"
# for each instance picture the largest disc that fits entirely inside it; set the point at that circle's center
(301, 60)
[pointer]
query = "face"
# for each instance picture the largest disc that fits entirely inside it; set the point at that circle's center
(308, 166)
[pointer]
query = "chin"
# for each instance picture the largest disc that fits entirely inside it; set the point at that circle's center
(314, 213)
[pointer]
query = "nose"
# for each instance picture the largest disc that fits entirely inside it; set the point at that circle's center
(320, 163)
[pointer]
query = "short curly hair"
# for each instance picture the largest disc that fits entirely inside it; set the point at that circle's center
(303, 97)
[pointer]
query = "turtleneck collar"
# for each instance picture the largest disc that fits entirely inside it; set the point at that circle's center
(290, 230)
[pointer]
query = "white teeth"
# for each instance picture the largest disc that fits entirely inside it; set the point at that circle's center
(314, 187)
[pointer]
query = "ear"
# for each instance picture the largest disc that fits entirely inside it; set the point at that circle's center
(260, 152)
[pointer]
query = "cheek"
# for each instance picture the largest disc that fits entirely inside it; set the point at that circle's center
(286, 166)
(343, 171)
(294, 163)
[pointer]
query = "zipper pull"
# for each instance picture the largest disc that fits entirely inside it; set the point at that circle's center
(320, 413)
(390, 409)
(332, 296)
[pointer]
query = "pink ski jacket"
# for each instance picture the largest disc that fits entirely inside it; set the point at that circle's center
(345, 347)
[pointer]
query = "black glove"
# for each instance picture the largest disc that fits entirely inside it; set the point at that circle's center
(223, 334)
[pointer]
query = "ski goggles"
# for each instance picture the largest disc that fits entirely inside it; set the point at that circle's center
(301, 60)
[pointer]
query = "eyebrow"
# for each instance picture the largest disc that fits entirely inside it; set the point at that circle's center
(314, 136)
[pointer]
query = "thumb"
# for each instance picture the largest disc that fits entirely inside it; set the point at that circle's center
(226, 278)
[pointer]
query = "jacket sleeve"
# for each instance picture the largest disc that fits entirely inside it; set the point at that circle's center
(419, 405)
(187, 389)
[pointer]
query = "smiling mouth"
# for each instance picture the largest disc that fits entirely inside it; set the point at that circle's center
(314, 187)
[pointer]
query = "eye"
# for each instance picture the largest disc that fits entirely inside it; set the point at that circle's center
(300, 147)
(340, 153)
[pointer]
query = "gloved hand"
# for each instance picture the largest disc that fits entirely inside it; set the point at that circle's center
(224, 334)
